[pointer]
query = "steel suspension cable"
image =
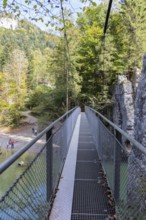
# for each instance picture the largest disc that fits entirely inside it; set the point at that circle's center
(67, 53)
(107, 17)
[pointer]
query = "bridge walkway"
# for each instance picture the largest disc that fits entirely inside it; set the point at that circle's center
(89, 191)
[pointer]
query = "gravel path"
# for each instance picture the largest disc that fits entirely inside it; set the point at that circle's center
(21, 135)
(29, 119)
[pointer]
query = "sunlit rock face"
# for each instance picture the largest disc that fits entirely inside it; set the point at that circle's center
(9, 23)
(129, 113)
(123, 105)
(135, 80)
(140, 108)
(124, 96)
(137, 159)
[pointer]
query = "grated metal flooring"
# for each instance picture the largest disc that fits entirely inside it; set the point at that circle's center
(89, 201)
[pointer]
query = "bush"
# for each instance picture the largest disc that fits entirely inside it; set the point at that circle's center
(10, 117)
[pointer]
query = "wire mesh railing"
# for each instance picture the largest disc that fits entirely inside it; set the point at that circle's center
(124, 163)
(30, 196)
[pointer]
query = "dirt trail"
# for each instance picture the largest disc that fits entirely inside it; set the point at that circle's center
(29, 118)
(21, 135)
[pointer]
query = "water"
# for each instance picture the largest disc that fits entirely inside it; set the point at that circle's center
(109, 167)
(13, 172)
(27, 198)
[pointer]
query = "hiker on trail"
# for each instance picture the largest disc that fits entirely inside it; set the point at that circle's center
(35, 132)
(0, 148)
(9, 143)
(12, 144)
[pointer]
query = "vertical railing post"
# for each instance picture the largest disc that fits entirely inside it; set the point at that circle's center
(49, 155)
(100, 139)
(117, 163)
(65, 138)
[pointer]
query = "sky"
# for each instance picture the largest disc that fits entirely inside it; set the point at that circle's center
(75, 6)
(27, 11)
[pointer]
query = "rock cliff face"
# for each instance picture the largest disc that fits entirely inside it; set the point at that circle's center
(130, 96)
(140, 108)
(123, 108)
(135, 80)
(9, 23)
(137, 159)
(124, 96)
(129, 112)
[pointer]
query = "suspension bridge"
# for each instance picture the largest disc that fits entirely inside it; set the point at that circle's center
(82, 172)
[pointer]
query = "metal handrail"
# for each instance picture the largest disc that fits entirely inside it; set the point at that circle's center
(16, 155)
(124, 170)
(127, 136)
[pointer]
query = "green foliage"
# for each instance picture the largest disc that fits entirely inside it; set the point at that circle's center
(38, 69)
(15, 77)
(39, 11)
(4, 3)
(127, 31)
(24, 66)
(47, 105)
(37, 96)
(96, 80)
(14, 116)
(33, 72)
(100, 59)
(10, 116)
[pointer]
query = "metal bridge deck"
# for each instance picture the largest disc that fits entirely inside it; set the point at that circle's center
(81, 192)
(89, 199)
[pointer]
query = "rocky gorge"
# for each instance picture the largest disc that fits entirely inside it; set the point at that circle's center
(129, 113)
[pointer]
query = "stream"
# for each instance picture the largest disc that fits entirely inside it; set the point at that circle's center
(8, 177)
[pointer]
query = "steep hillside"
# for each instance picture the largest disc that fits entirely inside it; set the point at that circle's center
(24, 66)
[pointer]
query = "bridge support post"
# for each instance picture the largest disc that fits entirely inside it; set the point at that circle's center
(117, 163)
(100, 139)
(49, 164)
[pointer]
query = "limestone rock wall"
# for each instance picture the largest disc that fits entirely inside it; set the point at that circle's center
(135, 80)
(124, 96)
(9, 23)
(123, 105)
(137, 159)
(129, 113)
(140, 108)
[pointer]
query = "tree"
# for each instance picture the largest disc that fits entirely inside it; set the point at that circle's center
(92, 65)
(15, 73)
(25, 55)
(13, 87)
(128, 28)
(38, 68)
(60, 66)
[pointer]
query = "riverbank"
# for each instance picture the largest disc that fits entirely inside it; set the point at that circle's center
(21, 135)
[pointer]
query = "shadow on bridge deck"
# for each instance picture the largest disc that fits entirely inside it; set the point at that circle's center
(90, 197)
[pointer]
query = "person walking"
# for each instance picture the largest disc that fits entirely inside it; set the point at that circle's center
(12, 144)
(9, 143)
(0, 146)
(35, 132)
